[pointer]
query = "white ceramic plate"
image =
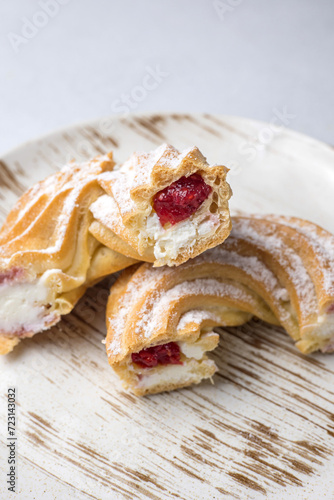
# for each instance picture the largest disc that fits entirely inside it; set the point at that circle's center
(265, 428)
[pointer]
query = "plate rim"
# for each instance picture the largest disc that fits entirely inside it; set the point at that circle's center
(84, 123)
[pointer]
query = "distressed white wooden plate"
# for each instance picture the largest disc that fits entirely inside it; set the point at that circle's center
(265, 429)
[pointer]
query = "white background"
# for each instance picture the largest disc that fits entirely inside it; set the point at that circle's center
(241, 57)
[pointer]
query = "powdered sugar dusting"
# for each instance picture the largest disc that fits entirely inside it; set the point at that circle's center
(144, 163)
(104, 209)
(251, 265)
(72, 178)
(121, 190)
(152, 318)
(67, 186)
(138, 285)
(196, 316)
(157, 303)
(321, 242)
(154, 310)
(255, 269)
(137, 172)
(269, 242)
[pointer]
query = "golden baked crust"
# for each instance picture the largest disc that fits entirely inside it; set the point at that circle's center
(123, 216)
(278, 269)
(45, 244)
(8, 344)
(301, 255)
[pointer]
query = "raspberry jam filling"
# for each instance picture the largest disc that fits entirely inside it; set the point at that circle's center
(331, 309)
(181, 199)
(166, 354)
(11, 275)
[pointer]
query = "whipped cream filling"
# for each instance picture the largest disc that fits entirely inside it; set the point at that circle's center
(168, 242)
(197, 349)
(325, 330)
(324, 327)
(174, 374)
(186, 373)
(22, 306)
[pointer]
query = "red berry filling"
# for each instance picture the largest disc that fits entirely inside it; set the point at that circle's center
(181, 199)
(166, 354)
(13, 274)
(331, 309)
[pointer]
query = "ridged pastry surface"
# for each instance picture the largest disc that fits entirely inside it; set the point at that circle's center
(278, 269)
(47, 255)
(125, 220)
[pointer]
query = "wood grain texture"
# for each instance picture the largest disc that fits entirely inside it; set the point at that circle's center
(265, 429)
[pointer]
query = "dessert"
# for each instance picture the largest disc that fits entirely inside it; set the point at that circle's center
(163, 207)
(91, 220)
(47, 255)
(160, 320)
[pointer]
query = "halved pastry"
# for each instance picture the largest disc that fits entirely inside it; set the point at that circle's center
(160, 323)
(301, 256)
(47, 255)
(160, 320)
(163, 207)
